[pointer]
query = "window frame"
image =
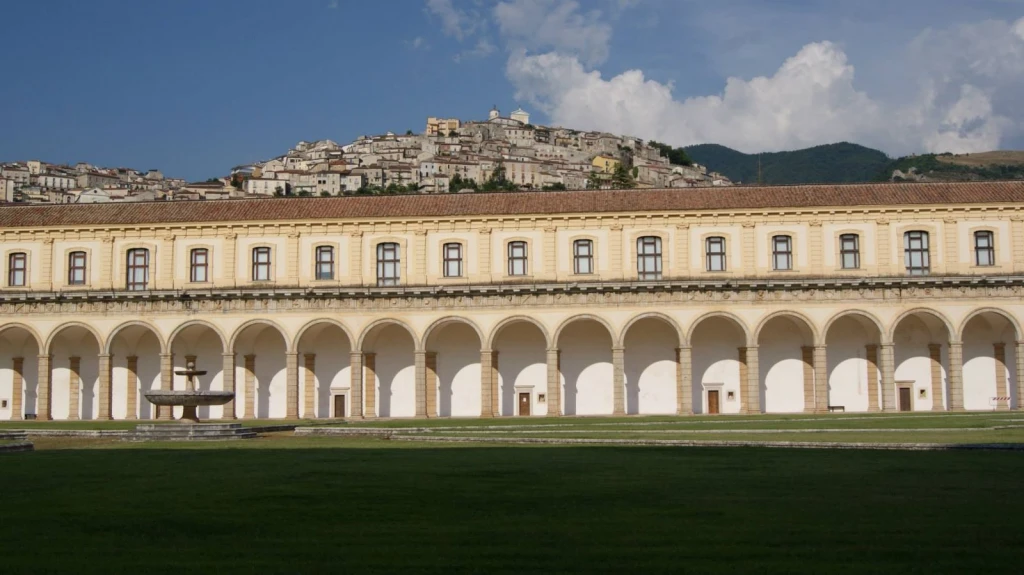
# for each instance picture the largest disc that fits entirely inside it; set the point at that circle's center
(645, 259)
(262, 266)
(578, 257)
(513, 258)
(989, 250)
(786, 254)
(382, 250)
(923, 251)
(319, 263)
(73, 267)
(844, 251)
(14, 270)
(447, 260)
(133, 268)
(194, 266)
(721, 242)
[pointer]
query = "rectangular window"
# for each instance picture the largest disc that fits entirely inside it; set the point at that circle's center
(388, 261)
(199, 265)
(17, 265)
(583, 257)
(849, 251)
(984, 249)
(452, 260)
(915, 253)
(714, 247)
(648, 258)
(138, 269)
(261, 264)
(324, 263)
(782, 252)
(76, 268)
(517, 259)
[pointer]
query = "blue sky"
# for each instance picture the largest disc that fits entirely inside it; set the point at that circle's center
(195, 87)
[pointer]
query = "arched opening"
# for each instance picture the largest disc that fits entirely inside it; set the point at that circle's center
(75, 373)
(390, 370)
(324, 371)
(520, 354)
(260, 349)
(585, 363)
(453, 370)
(19, 372)
(718, 347)
(203, 344)
(854, 378)
(135, 368)
(921, 347)
(989, 362)
(650, 366)
(785, 351)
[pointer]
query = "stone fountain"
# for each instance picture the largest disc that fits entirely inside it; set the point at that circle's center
(189, 429)
(190, 398)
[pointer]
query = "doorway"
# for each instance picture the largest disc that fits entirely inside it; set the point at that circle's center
(339, 406)
(524, 404)
(905, 399)
(713, 401)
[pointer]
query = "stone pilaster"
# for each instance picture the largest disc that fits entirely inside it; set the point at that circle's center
(356, 257)
(554, 383)
(749, 366)
(230, 265)
(484, 253)
(487, 380)
(1017, 246)
(618, 380)
(75, 387)
(106, 254)
(815, 243)
(430, 390)
(17, 388)
(419, 273)
(420, 359)
(684, 380)
(44, 393)
(807, 356)
(355, 365)
(884, 243)
(105, 391)
(228, 377)
(250, 386)
(292, 272)
(871, 353)
(935, 356)
(164, 260)
(46, 263)
(618, 268)
(888, 362)
(1019, 359)
(291, 395)
(956, 376)
(682, 266)
(821, 402)
(166, 382)
(370, 361)
(132, 388)
(999, 353)
(950, 255)
(309, 386)
(749, 261)
(550, 253)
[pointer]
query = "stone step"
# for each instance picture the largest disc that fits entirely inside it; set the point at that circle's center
(190, 432)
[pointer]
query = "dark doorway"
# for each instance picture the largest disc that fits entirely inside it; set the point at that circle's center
(524, 404)
(713, 401)
(905, 399)
(339, 406)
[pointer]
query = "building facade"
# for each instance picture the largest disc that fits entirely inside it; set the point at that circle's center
(738, 300)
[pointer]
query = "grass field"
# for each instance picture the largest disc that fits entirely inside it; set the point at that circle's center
(290, 504)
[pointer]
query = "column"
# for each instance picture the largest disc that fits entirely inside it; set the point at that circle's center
(355, 366)
(1002, 390)
(1019, 358)
(420, 358)
(935, 354)
(228, 377)
(309, 386)
(250, 386)
(370, 362)
(821, 379)
(17, 388)
(291, 396)
(132, 388)
(554, 384)
(487, 380)
(888, 377)
(105, 385)
(684, 380)
(956, 376)
(74, 388)
(871, 353)
(44, 395)
(618, 380)
(807, 355)
(752, 393)
(430, 383)
(166, 382)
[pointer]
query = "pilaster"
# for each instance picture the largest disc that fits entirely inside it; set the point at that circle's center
(554, 383)
(291, 395)
(883, 240)
(618, 380)
(44, 390)
(105, 385)
(17, 388)
(749, 262)
(956, 376)
(618, 266)
(815, 243)
(230, 265)
(682, 266)
(430, 385)
(250, 387)
(1019, 359)
(370, 361)
(684, 380)
(935, 357)
(1017, 243)
(106, 254)
(888, 361)
(821, 379)
(75, 388)
(807, 356)
(550, 254)
(420, 358)
(132, 388)
(355, 366)
(165, 268)
(1002, 390)
(871, 353)
(751, 378)
(292, 272)
(46, 271)
(488, 383)
(356, 265)
(166, 382)
(484, 253)
(950, 251)
(420, 258)
(228, 377)
(309, 386)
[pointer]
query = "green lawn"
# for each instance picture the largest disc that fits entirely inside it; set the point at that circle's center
(286, 504)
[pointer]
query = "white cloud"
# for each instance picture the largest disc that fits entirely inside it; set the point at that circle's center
(554, 25)
(482, 49)
(454, 22)
(418, 43)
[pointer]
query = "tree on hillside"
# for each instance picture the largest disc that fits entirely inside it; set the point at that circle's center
(594, 181)
(676, 156)
(622, 179)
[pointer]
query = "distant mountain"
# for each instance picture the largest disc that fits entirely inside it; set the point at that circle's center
(1004, 165)
(831, 163)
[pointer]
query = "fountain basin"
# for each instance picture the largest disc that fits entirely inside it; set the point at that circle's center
(188, 398)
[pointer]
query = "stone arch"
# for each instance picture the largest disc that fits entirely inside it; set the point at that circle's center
(793, 315)
(100, 342)
(586, 366)
(786, 363)
(75, 371)
(269, 323)
(138, 323)
(368, 329)
(853, 341)
(454, 368)
(493, 336)
(891, 332)
(177, 331)
(882, 332)
(680, 334)
(390, 386)
(28, 329)
(319, 321)
(993, 310)
(449, 320)
(722, 314)
(988, 339)
(324, 368)
(921, 340)
(582, 317)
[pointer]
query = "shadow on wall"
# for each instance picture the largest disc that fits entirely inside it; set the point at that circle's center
(586, 366)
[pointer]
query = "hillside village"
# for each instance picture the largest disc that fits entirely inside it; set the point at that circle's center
(38, 182)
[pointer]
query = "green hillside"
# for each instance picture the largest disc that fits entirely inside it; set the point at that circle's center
(950, 168)
(831, 163)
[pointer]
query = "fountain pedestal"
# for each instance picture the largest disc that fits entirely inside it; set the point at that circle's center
(190, 398)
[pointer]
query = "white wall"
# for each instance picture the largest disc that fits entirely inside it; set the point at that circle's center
(781, 365)
(332, 370)
(75, 342)
(650, 367)
(18, 343)
(586, 366)
(271, 375)
(522, 362)
(848, 383)
(913, 362)
(458, 370)
(715, 348)
(979, 377)
(144, 345)
(395, 371)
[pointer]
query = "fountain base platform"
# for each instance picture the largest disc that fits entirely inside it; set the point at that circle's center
(187, 431)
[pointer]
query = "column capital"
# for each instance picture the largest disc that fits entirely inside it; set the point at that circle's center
(818, 346)
(292, 353)
(227, 355)
(684, 348)
(166, 355)
(358, 354)
(618, 348)
(956, 343)
(104, 355)
(552, 349)
(484, 350)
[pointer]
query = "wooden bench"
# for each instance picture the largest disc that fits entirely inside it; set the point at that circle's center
(833, 408)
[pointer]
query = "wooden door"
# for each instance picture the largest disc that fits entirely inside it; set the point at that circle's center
(713, 401)
(524, 404)
(339, 406)
(905, 399)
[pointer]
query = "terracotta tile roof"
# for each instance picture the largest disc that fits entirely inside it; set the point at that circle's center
(738, 198)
